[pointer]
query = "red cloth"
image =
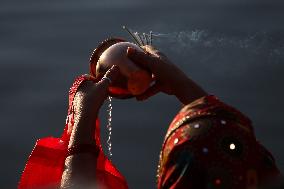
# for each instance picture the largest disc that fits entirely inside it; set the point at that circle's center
(196, 153)
(212, 145)
(45, 165)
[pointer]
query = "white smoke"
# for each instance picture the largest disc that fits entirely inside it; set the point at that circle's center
(260, 42)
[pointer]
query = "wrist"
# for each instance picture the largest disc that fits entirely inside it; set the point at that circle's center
(83, 130)
(187, 92)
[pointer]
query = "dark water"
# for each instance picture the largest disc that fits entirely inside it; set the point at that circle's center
(233, 49)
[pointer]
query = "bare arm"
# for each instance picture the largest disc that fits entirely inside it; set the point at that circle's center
(169, 78)
(80, 169)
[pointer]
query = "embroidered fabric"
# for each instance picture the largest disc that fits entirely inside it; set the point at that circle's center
(212, 145)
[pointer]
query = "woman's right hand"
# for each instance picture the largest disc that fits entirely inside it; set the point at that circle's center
(168, 78)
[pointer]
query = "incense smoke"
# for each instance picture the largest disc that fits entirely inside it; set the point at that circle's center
(260, 43)
(216, 53)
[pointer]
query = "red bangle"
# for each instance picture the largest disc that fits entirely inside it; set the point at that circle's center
(83, 148)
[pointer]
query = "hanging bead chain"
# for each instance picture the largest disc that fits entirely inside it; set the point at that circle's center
(109, 127)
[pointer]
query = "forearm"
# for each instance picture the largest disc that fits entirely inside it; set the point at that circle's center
(79, 171)
(85, 114)
(188, 91)
(80, 167)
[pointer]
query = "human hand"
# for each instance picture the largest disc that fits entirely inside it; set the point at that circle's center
(86, 105)
(168, 77)
(80, 168)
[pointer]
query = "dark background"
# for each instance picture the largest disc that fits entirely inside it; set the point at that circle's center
(234, 49)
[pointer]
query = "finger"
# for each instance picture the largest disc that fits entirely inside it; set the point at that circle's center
(152, 50)
(112, 73)
(110, 76)
(151, 91)
(99, 91)
(140, 58)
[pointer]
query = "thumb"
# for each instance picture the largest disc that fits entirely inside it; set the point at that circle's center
(151, 91)
(100, 90)
(110, 76)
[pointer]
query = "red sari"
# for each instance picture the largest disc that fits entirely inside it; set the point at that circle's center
(45, 165)
(208, 145)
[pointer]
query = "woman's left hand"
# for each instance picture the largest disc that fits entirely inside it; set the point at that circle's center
(87, 103)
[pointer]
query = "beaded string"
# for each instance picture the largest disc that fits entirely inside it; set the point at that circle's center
(109, 127)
